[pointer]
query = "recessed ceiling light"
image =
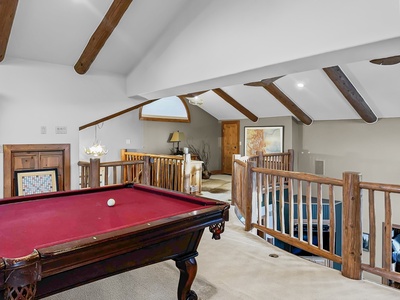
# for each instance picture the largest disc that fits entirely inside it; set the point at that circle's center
(300, 85)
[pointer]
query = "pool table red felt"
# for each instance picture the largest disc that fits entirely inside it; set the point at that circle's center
(36, 224)
(66, 221)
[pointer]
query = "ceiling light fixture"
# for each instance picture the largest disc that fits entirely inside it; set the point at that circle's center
(96, 150)
(195, 100)
(300, 85)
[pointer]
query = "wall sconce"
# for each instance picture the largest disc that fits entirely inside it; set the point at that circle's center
(96, 150)
(176, 138)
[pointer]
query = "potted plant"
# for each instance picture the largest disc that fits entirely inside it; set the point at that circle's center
(203, 153)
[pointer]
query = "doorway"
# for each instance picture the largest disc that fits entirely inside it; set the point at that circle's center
(230, 144)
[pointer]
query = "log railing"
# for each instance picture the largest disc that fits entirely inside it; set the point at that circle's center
(385, 197)
(96, 173)
(281, 203)
(172, 172)
(166, 171)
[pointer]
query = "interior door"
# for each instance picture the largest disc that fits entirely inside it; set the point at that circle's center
(230, 144)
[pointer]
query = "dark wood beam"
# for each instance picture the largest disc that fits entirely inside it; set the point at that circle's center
(116, 114)
(289, 104)
(236, 104)
(387, 61)
(351, 94)
(264, 82)
(102, 33)
(8, 9)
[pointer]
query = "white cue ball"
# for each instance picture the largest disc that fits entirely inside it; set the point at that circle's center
(111, 202)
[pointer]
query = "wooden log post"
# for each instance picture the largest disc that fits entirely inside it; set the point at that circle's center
(291, 160)
(260, 159)
(146, 170)
(249, 186)
(352, 226)
(94, 176)
(186, 175)
(235, 179)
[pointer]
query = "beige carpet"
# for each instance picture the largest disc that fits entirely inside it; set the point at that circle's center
(238, 266)
(217, 187)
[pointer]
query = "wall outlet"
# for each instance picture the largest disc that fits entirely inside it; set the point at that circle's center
(61, 129)
(43, 129)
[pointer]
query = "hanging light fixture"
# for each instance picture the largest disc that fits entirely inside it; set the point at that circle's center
(195, 100)
(97, 149)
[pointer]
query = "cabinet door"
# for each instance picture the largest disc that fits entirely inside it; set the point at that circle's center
(25, 161)
(53, 160)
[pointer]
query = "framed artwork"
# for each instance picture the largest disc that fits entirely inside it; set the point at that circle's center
(365, 241)
(268, 139)
(29, 182)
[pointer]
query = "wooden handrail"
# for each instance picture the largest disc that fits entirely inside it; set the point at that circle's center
(259, 191)
(90, 172)
(175, 172)
(172, 172)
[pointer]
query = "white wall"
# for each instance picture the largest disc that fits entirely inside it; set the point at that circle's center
(35, 94)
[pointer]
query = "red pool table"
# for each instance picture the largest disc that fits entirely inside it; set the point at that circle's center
(56, 241)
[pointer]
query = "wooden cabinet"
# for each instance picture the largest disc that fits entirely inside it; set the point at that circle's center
(33, 157)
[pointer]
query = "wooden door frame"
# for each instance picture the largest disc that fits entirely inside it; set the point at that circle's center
(9, 150)
(222, 138)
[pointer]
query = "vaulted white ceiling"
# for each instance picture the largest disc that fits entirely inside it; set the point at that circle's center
(175, 47)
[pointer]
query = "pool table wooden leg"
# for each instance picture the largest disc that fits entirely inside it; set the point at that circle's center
(21, 276)
(188, 270)
(26, 292)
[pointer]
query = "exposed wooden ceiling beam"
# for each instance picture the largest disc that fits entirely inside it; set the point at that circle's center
(116, 114)
(289, 104)
(236, 104)
(282, 98)
(351, 94)
(102, 33)
(8, 9)
(263, 82)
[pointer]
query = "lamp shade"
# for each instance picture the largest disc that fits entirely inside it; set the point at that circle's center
(177, 137)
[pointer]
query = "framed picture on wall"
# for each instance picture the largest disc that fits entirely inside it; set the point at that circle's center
(29, 182)
(268, 139)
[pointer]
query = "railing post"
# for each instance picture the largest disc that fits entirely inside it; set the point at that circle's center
(291, 159)
(146, 170)
(235, 178)
(352, 226)
(186, 173)
(248, 185)
(260, 159)
(94, 176)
